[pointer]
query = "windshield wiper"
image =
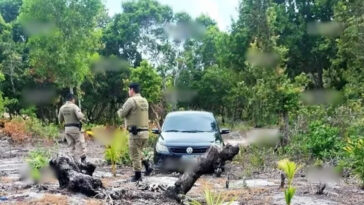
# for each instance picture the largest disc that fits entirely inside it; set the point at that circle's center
(193, 131)
(172, 131)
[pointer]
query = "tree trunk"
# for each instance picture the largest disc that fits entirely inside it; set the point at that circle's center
(210, 162)
(12, 78)
(284, 129)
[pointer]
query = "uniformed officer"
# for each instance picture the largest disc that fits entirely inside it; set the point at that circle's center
(72, 116)
(135, 112)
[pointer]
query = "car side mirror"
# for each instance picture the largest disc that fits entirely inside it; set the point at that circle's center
(224, 131)
(156, 131)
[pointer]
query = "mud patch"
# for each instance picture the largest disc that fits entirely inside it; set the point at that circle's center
(163, 180)
(250, 183)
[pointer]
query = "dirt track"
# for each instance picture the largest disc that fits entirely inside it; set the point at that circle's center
(260, 188)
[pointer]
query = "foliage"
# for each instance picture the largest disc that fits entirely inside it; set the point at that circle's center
(347, 64)
(255, 158)
(62, 38)
(150, 81)
(355, 155)
(152, 140)
(118, 150)
(288, 194)
(213, 198)
(37, 128)
(255, 72)
(20, 129)
(104, 91)
(9, 9)
(289, 168)
(2, 106)
(322, 140)
(37, 159)
(140, 29)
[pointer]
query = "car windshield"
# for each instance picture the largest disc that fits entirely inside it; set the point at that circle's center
(189, 123)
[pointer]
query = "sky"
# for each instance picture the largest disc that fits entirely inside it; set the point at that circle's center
(222, 11)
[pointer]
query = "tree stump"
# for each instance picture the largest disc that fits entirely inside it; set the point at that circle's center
(212, 160)
(75, 176)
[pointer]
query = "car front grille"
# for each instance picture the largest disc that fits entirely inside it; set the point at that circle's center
(182, 150)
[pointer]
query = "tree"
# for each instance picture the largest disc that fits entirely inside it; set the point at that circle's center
(9, 9)
(349, 61)
(303, 29)
(9, 60)
(149, 80)
(138, 31)
(104, 90)
(2, 101)
(63, 38)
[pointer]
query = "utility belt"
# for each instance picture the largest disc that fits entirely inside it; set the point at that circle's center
(79, 125)
(134, 130)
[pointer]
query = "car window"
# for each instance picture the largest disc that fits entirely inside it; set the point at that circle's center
(189, 123)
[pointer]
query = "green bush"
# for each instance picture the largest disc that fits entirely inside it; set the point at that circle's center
(37, 159)
(322, 140)
(319, 141)
(355, 157)
(36, 127)
(355, 129)
(29, 112)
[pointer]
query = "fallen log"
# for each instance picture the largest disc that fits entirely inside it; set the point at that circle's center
(213, 160)
(75, 176)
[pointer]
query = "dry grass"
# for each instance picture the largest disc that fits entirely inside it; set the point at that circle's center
(107, 182)
(16, 129)
(93, 202)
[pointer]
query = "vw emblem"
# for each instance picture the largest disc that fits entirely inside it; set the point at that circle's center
(189, 150)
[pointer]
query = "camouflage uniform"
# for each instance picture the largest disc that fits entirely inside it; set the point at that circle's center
(135, 111)
(71, 115)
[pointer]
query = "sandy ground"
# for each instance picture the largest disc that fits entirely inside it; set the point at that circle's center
(260, 188)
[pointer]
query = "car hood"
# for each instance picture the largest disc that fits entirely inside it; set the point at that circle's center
(188, 139)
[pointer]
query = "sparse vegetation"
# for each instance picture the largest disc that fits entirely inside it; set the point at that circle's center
(38, 129)
(355, 152)
(117, 152)
(212, 198)
(21, 130)
(37, 159)
(255, 158)
(295, 65)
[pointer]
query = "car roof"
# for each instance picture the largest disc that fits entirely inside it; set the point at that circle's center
(190, 112)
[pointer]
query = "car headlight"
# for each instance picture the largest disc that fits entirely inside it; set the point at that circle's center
(161, 148)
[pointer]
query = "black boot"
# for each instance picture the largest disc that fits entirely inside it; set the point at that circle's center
(137, 177)
(148, 169)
